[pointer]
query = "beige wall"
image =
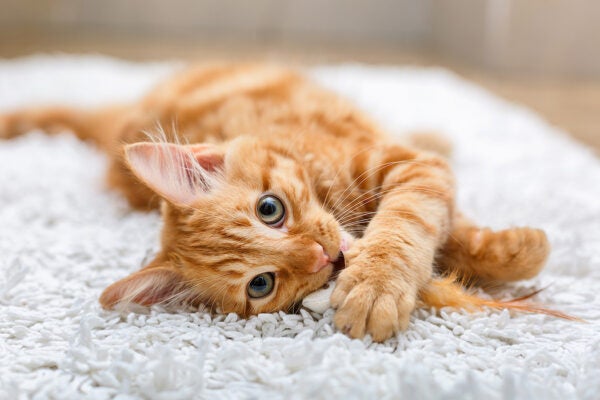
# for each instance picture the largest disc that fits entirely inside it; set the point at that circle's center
(534, 36)
(537, 36)
(332, 20)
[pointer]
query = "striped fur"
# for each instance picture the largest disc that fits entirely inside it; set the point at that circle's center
(251, 129)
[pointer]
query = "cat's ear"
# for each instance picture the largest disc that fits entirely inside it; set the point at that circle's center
(178, 173)
(152, 285)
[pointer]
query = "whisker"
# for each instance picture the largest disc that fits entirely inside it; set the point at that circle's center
(360, 200)
(367, 174)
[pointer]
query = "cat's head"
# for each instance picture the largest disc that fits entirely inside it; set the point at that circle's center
(243, 229)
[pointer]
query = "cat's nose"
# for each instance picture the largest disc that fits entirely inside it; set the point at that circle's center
(321, 259)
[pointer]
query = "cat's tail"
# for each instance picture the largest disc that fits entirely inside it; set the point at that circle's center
(449, 292)
(95, 125)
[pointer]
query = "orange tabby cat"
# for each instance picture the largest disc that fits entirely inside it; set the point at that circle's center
(281, 182)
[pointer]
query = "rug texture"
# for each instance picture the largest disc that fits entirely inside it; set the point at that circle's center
(63, 238)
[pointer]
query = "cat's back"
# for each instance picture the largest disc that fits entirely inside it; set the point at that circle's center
(219, 101)
(207, 83)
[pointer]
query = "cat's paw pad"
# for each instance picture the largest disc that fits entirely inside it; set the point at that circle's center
(372, 306)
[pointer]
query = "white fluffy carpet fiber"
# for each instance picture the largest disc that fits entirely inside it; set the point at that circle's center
(63, 238)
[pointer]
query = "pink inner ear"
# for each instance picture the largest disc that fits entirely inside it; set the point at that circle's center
(145, 287)
(177, 173)
(207, 156)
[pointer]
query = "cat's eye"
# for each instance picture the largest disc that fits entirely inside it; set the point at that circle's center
(261, 285)
(270, 210)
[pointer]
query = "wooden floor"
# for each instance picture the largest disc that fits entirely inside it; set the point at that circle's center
(571, 104)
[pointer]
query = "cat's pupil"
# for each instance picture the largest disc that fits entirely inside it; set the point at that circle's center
(259, 283)
(268, 208)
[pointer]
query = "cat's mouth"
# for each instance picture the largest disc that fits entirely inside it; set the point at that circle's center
(338, 265)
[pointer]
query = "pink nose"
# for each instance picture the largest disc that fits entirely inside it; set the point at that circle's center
(322, 259)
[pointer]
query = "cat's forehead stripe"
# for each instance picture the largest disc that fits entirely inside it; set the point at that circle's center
(266, 179)
(228, 261)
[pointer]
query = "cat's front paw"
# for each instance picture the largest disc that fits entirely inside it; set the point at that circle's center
(371, 300)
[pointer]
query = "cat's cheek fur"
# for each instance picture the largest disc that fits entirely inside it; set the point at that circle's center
(291, 290)
(269, 232)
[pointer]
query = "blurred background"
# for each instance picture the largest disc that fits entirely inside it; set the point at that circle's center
(544, 54)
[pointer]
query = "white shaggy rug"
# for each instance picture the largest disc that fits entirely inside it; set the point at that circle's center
(63, 238)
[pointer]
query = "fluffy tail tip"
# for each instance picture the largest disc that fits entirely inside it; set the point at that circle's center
(449, 292)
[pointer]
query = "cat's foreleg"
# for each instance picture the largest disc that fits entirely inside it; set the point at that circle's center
(378, 290)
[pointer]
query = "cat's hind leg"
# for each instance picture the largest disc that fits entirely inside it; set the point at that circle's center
(97, 125)
(484, 255)
(107, 127)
